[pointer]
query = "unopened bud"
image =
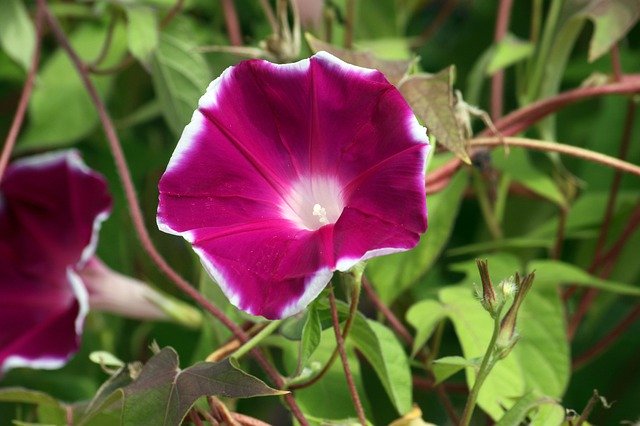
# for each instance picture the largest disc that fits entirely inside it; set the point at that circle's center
(488, 299)
(508, 335)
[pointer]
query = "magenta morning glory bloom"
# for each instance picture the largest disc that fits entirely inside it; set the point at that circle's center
(51, 207)
(287, 173)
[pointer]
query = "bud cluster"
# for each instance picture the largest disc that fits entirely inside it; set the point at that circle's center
(510, 291)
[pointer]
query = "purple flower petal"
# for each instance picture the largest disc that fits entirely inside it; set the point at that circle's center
(51, 207)
(289, 172)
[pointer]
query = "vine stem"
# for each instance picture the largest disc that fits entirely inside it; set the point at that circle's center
(393, 321)
(545, 146)
(488, 361)
(608, 339)
(136, 212)
(521, 119)
(27, 89)
(343, 357)
(590, 294)
(497, 79)
(231, 20)
(349, 23)
(353, 309)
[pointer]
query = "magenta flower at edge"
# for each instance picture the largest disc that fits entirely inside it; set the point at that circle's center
(51, 207)
(287, 173)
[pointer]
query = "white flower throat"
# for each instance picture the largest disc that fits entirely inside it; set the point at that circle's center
(314, 202)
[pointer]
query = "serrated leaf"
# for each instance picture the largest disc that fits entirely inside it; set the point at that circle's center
(394, 70)
(612, 20)
(393, 274)
(180, 77)
(60, 111)
(552, 273)
(445, 367)
(509, 51)
(539, 361)
(17, 32)
(424, 316)
(163, 394)
(432, 99)
(384, 352)
(142, 32)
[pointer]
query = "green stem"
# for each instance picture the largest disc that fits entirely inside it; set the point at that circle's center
(255, 340)
(488, 361)
(485, 206)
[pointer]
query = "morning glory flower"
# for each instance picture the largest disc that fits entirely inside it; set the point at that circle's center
(287, 173)
(51, 208)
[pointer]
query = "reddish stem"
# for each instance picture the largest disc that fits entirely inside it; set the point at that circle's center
(18, 118)
(343, 357)
(616, 65)
(523, 118)
(394, 322)
(136, 212)
(231, 20)
(590, 295)
(497, 80)
(608, 339)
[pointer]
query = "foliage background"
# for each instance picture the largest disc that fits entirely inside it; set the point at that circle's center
(153, 96)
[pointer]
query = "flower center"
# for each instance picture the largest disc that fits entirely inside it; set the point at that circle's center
(313, 202)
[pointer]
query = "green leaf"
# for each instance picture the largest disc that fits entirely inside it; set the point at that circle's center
(539, 361)
(60, 111)
(447, 366)
(549, 414)
(516, 414)
(163, 394)
(505, 243)
(393, 274)
(332, 386)
(17, 32)
(509, 51)
(180, 77)
(424, 316)
(394, 70)
(520, 169)
(432, 99)
(384, 352)
(142, 32)
(27, 396)
(586, 213)
(106, 396)
(311, 334)
(612, 20)
(552, 273)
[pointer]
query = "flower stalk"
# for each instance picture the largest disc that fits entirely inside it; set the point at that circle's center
(255, 340)
(504, 335)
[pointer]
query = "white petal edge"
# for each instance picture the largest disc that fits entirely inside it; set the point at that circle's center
(82, 296)
(313, 287)
(44, 363)
(50, 362)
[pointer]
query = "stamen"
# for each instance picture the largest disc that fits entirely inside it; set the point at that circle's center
(321, 212)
